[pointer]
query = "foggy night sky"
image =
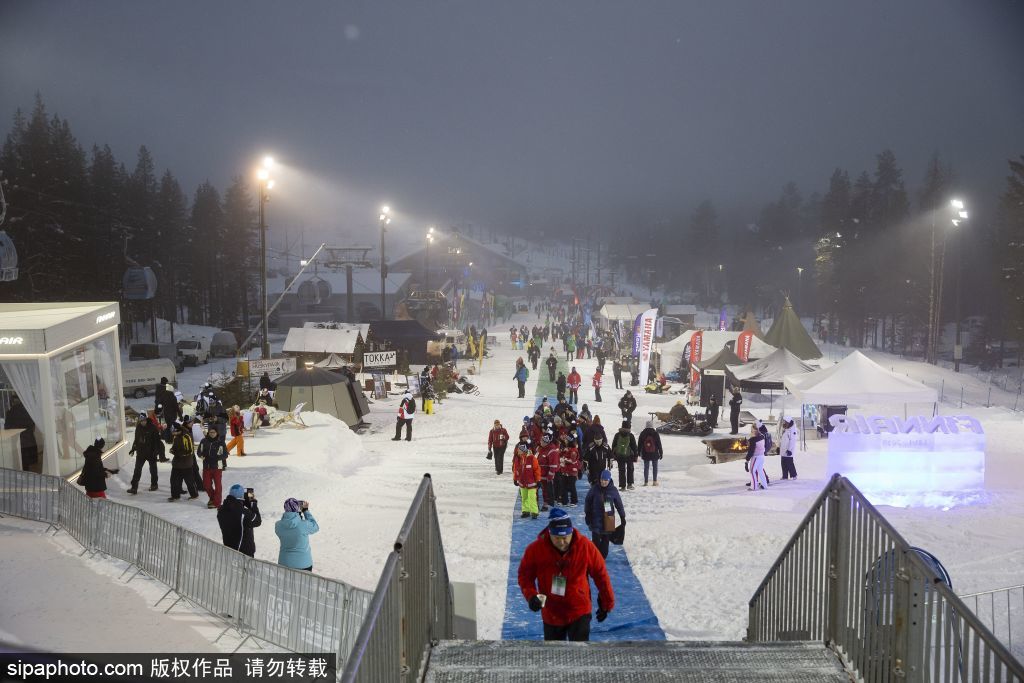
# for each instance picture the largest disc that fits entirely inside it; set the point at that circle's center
(524, 114)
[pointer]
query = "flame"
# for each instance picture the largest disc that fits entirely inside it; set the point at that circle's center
(738, 445)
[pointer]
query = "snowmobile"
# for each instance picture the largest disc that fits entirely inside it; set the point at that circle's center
(691, 425)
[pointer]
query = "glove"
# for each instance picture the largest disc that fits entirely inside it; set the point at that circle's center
(746, 467)
(601, 615)
(535, 604)
(789, 454)
(516, 482)
(490, 455)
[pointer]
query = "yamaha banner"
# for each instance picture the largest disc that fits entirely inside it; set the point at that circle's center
(636, 336)
(646, 325)
(696, 342)
(743, 343)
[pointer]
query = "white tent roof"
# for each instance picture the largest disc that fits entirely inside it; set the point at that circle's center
(713, 341)
(773, 368)
(308, 340)
(680, 309)
(627, 312)
(858, 380)
(331, 362)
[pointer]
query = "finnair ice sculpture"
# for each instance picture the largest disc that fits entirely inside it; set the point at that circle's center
(909, 461)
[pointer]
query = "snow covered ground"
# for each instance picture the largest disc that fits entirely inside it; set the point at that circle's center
(700, 543)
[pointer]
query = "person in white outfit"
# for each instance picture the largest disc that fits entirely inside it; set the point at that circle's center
(787, 447)
(755, 459)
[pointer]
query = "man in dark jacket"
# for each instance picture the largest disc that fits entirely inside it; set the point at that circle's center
(145, 447)
(597, 455)
(554, 578)
(734, 411)
(560, 386)
(603, 501)
(627, 404)
(182, 464)
(265, 381)
(650, 450)
(617, 373)
(215, 460)
(624, 450)
(238, 516)
(711, 413)
(552, 364)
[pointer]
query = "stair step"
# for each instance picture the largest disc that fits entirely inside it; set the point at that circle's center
(512, 661)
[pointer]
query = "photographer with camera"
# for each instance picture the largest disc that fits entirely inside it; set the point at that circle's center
(294, 529)
(238, 516)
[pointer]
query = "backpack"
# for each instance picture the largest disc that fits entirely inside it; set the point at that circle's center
(202, 405)
(649, 445)
(622, 446)
(410, 406)
(767, 442)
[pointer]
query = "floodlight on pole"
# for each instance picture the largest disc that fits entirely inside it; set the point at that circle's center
(956, 203)
(265, 184)
(384, 220)
(963, 214)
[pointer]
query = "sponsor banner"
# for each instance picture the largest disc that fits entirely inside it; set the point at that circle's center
(659, 328)
(275, 367)
(636, 336)
(647, 320)
(722, 325)
(743, 343)
(380, 387)
(696, 344)
(380, 359)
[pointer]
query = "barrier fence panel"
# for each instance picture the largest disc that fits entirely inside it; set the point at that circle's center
(210, 574)
(159, 547)
(411, 608)
(29, 495)
(76, 513)
(1002, 612)
(885, 611)
(117, 530)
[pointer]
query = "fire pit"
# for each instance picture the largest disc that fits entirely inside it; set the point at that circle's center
(726, 449)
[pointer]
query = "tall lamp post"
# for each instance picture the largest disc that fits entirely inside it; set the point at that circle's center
(958, 347)
(265, 184)
(384, 219)
(426, 269)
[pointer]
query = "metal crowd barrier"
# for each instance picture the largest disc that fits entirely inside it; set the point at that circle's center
(1002, 611)
(847, 577)
(296, 610)
(412, 606)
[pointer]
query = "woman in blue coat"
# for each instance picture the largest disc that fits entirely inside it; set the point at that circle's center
(294, 529)
(603, 500)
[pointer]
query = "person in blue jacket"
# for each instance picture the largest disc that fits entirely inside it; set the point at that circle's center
(294, 529)
(603, 501)
(521, 376)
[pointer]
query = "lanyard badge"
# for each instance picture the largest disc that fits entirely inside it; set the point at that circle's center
(558, 585)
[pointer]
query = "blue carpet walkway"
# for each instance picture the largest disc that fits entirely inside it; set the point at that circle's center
(632, 618)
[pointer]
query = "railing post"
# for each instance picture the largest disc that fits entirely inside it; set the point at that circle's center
(898, 664)
(917, 623)
(836, 509)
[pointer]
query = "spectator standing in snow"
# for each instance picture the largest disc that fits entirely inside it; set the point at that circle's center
(526, 475)
(624, 450)
(554, 577)
(548, 456)
(94, 474)
(597, 382)
(734, 411)
(215, 460)
(711, 413)
(497, 442)
(598, 455)
(560, 386)
(236, 425)
(755, 459)
(238, 516)
(552, 363)
(568, 471)
(627, 404)
(406, 409)
(602, 502)
(650, 450)
(183, 463)
(787, 447)
(617, 373)
(294, 528)
(521, 375)
(574, 381)
(145, 448)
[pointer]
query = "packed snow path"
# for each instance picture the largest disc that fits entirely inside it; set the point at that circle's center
(632, 618)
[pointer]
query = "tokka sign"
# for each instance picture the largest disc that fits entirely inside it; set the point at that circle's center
(380, 359)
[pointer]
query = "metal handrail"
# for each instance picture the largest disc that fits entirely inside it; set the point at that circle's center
(411, 608)
(848, 578)
(991, 612)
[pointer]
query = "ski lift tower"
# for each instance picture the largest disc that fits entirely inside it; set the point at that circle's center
(348, 258)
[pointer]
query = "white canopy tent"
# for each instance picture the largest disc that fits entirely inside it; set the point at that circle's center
(323, 341)
(857, 380)
(713, 341)
(611, 313)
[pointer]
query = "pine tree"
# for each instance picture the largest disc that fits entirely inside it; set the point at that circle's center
(207, 223)
(241, 237)
(170, 215)
(1010, 250)
(933, 200)
(106, 230)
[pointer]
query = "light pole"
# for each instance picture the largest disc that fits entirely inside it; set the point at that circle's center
(958, 347)
(265, 184)
(426, 270)
(384, 219)
(799, 287)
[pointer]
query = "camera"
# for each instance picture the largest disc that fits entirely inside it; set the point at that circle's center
(250, 493)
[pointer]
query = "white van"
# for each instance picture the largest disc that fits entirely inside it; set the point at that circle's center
(194, 351)
(141, 376)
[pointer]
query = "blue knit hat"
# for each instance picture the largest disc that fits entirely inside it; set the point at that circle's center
(606, 475)
(559, 522)
(237, 491)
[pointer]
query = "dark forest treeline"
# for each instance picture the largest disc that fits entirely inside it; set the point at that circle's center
(859, 257)
(80, 219)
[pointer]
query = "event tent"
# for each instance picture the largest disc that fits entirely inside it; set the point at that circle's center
(712, 374)
(332, 362)
(627, 313)
(409, 336)
(750, 324)
(857, 380)
(323, 341)
(767, 373)
(789, 333)
(323, 391)
(672, 351)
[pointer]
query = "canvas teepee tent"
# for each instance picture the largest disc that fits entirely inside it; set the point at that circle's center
(787, 332)
(750, 324)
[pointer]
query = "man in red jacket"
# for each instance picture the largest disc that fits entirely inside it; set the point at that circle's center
(497, 441)
(573, 381)
(553, 576)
